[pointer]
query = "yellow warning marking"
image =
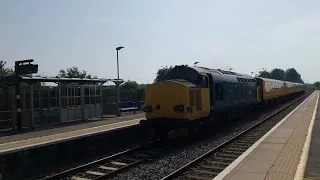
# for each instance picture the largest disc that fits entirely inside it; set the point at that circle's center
(305, 150)
(64, 133)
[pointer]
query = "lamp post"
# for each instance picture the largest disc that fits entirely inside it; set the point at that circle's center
(118, 82)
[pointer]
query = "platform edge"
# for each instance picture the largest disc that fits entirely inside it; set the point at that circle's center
(46, 143)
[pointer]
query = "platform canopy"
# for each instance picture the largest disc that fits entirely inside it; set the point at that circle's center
(9, 79)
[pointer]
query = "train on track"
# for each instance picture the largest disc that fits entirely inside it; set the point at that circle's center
(189, 96)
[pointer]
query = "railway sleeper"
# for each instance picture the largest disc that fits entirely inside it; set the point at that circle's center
(250, 138)
(108, 168)
(85, 175)
(236, 149)
(130, 159)
(147, 152)
(212, 167)
(227, 155)
(197, 177)
(141, 155)
(252, 135)
(218, 163)
(204, 172)
(232, 152)
(119, 163)
(79, 178)
(261, 134)
(258, 132)
(241, 143)
(157, 149)
(95, 173)
(245, 140)
(237, 146)
(224, 159)
(219, 168)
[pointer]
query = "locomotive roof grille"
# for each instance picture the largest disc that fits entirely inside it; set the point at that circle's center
(245, 80)
(227, 72)
(220, 71)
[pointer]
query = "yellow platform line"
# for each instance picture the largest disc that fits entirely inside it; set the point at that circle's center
(69, 132)
(305, 150)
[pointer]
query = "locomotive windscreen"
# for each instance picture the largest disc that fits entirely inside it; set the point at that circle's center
(183, 72)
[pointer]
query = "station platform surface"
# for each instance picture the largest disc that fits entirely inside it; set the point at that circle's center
(282, 153)
(40, 138)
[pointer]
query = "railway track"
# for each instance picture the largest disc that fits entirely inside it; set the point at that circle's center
(210, 164)
(111, 165)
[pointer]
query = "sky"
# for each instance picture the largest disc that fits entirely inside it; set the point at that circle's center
(246, 35)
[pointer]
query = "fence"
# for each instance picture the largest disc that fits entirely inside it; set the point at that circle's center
(42, 105)
(110, 99)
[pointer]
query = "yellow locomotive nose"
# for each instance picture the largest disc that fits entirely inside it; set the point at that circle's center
(176, 100)
(167, 99)
(173, 104)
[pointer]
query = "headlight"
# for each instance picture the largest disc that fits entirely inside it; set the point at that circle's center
(147, 109)
(178, 108)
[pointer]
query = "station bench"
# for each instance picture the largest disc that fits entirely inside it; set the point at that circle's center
(128, 106)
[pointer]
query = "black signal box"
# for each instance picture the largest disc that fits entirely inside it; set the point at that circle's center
(25, 67)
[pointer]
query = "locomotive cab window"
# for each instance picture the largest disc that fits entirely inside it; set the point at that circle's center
(219, 92)
(204, 81)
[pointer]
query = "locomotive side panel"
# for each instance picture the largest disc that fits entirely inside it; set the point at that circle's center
(199, 103)
(232, 91)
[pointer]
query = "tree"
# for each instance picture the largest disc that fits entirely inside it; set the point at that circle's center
(289, 75)
(130, 85)
(264, 74)
(143, 86)
(74, 73)
(317, 84)
(278, 74)
(161, 72)
(293, 76)
(5, 71)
